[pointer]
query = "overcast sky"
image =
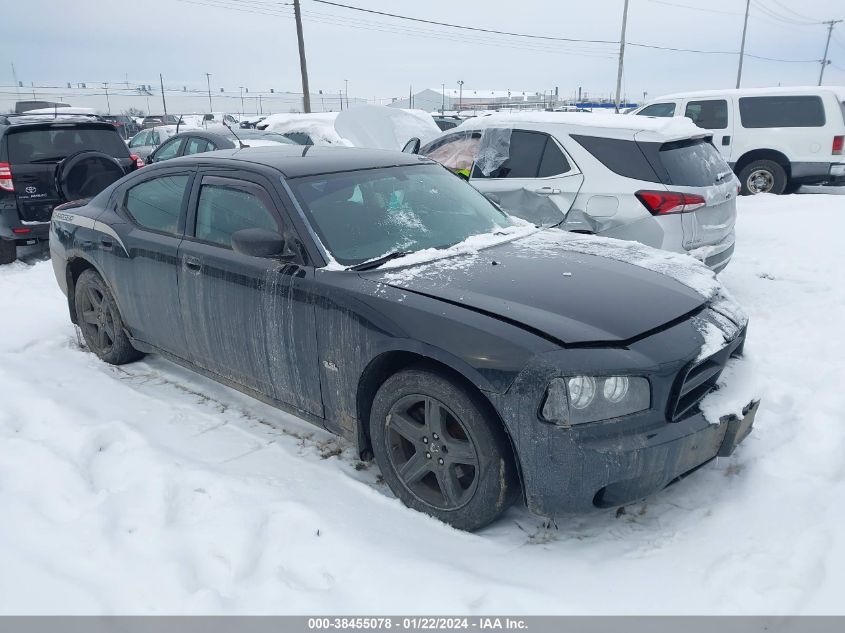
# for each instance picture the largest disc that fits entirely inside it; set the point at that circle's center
(58, 41)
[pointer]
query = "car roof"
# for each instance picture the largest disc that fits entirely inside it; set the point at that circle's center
(42, 121)
(757, 92)
(294, 161)
(589, 123)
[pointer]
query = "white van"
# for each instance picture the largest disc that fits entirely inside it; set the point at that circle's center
(775, 139)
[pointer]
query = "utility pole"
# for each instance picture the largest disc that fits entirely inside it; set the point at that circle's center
(303, 67)
(208, 80)
(461, 93)
(108, 105)
(825, 60)
(621, 55)
(443, 99)
(346, 89)
(243, 108)
(163, 102)
(742, 46)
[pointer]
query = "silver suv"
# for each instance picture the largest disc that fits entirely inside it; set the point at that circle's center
(658, 182)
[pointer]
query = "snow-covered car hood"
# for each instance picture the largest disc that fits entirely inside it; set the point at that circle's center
(575, 289)
(381, 127)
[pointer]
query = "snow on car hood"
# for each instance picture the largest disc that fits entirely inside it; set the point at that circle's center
(381, 127)
(576, 289)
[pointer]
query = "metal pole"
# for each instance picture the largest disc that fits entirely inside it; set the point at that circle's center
(443, 99)
(303, 68)
(621, 55)
(346, 89)
(163, 102)
(461, 95)
(243, 107)
(208, 79)
(742, 46)
(825, 60)
(108, 104)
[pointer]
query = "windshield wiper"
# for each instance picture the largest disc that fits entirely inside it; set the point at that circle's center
(375, 263)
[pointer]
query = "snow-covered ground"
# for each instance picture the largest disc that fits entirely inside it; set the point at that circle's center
(147, 489)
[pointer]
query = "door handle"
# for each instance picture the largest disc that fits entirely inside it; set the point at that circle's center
(547, 191)
(105, 244)
(192, 264)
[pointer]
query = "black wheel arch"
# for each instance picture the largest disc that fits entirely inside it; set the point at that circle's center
(73, 269)
(388, 363)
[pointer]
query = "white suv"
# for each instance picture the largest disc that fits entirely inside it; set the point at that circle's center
(775, 139)
(658, 182)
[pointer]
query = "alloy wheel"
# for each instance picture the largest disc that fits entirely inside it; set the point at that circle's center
(97, 319)
(432, 452)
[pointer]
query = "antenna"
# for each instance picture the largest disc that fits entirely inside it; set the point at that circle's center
(240, 142)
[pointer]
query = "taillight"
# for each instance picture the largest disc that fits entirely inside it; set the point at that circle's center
(838, 142)
(6, 177)
(139, 162)
(21, 230)
(665, 202)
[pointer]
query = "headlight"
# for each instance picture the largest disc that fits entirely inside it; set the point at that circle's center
(581, 399)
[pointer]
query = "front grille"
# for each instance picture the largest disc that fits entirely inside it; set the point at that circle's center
(701, 378)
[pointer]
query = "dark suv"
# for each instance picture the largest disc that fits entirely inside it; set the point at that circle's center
(46, 161)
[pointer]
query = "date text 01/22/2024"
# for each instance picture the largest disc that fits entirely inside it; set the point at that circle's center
(417, 623)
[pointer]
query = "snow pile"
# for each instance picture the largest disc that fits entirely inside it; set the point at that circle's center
(318, 125)
(148, 489)
(380, 127)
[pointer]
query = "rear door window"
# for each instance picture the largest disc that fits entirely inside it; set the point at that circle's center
(781, 111)
(196, 146)
(141, 138)
(224, 209)
(170, 149)
(156, 204)
(710, 114)
(26, 146)
(658, 109)
(554, 163)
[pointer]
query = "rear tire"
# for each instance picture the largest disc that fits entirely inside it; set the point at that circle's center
(440, 452)
(100, 321)
(762, 176)
(8, 251)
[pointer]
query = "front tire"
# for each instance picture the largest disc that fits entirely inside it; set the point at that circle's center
(439, 452)
(100, 321)
(762, 176)
(8, 251)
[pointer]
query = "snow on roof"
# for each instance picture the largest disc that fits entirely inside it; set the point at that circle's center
(318, 125)
(775, 90)
(664, 127)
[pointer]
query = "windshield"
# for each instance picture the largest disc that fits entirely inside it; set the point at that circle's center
(362, 215)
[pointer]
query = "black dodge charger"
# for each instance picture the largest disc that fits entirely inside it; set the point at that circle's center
(477, 358)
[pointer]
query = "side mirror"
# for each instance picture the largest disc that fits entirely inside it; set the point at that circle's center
(149, 159)
(412, 146)
(258, 243)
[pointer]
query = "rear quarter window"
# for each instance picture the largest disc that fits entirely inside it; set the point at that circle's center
(620, 156)
(56, 143)
(781, 111)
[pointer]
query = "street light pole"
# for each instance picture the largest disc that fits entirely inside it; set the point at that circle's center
(443, 98)
(346, 90)
(243, 110)
(460, 95)
(208, 80)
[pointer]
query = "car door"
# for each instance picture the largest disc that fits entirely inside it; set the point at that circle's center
(527, 173)
(713, 115)
(145, 255)
(248, 319)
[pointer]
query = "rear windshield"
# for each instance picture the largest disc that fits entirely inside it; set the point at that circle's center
(686, 163)
(781, 111)
(27, 146)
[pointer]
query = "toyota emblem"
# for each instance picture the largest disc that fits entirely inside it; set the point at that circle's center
(30, 189)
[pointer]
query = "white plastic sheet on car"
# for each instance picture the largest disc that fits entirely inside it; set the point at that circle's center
(493, 150)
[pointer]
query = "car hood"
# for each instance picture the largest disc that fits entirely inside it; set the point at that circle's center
(573, 289)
